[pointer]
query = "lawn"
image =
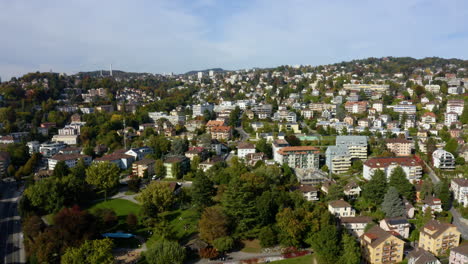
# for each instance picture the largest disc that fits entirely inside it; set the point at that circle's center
(120, 206)
(182, 224)
(251, 246)
(300, 260)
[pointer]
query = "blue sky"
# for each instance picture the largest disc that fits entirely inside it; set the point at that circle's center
(160, 36)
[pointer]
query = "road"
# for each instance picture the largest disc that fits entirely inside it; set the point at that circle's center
(242, 133)
(458, 220)
(11, 237)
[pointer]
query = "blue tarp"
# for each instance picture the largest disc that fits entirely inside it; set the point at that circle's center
(118, 235)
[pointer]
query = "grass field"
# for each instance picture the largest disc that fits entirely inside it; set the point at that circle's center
(309, 259)
(120, 206)
(182, 224)
(251, 246)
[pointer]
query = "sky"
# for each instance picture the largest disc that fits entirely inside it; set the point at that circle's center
(162, 36)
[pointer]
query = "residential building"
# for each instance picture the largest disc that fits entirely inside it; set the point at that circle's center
(33, 146)
(443, 160)
(352, 189)
(144, 165)
(357, 146)
(245, 148)
(139, 153)
(433, 88)
(309, 192)
(428, 118)
(66, 139)
(119, 158)
(338, 159)
(435, 204)
(253, 158)
(438, 237)
(310, 176)
(196, 152)
(379, 246)
(4, 162)
(450, 117)
(405, 107)
(410, 166)
(170, 162)
(299, 157)
(421, 256)
(70, 160)
(381, 88)
(459, 255)
(221, 132)
(285, 115)
(341, 208)
(356, 107)
(459, 188)
(398, 225)
(199, 110)
(49, 149)
(356, 225)
(456, 106)
(399, 146)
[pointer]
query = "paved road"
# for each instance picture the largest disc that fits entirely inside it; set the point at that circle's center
(242, 133)
(11, 237)
(458, 220)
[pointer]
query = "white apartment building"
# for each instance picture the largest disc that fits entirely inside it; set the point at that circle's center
(357, 146)
(70, 160)
(410, 166)
(455, 106)
(443, 159)
(356, 225)
(459, 188)
(244, 149)
(276, 146)
(304, 157)
(338, 159)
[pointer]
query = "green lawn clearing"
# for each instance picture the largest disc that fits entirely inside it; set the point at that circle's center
(120, 206)
(251, 246)
(309, 259)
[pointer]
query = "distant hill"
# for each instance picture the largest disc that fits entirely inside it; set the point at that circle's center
(205, 71)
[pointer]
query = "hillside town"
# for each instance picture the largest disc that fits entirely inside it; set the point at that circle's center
(356, 162)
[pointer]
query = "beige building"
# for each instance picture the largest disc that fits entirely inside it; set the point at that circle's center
(304, 157)
(379, 246)
(139, 167)
(399, 146)
(437, 237)
(399, 225)
(341, 208)
(221, 132)
(356, 225)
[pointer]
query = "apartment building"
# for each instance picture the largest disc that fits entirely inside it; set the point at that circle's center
(379, 246)
(410, 166)
(459, 255)
(428, 118)
(357, 146)
(356, 225)
(459, 188)
(341, 208)
(437, 237)
(221, 132)
(285, 115)
(421, 256)
(455, 106)
(399, 225)
(399, 146)
(309, 192)
(356, 107)
(381, 88)
(338, 159)
(303, 157)
(199, 110)
(244, 149)
(406, 107)
(70, 160)
(4, 162)
(140, 167)
(443, 160)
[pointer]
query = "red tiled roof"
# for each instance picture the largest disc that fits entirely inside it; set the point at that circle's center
(64, 157)
(297, 149)
(385, 162)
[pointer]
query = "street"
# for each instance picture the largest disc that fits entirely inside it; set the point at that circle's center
(11, 237)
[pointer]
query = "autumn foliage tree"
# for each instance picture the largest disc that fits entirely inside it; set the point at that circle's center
(213, 224)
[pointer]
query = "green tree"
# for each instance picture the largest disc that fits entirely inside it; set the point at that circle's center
(179, 146)
(176, 170)
(79, 170)
(213, 224)
(291, 225)
(399, 180)
(426, 190)
(335, 192)
(157, 197)
(452, 145)
(60, 169)
(223, 244)
(326, 244)
(90, 252)
(375, 189)
(442, 191)
(239, 204)
(159, 169)
(165, 252)
(464, 115)
(202, 190)
(45, 195)
(351, 252)
(393, 205)
(103, 175)
(263, 146)
(267, 237)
